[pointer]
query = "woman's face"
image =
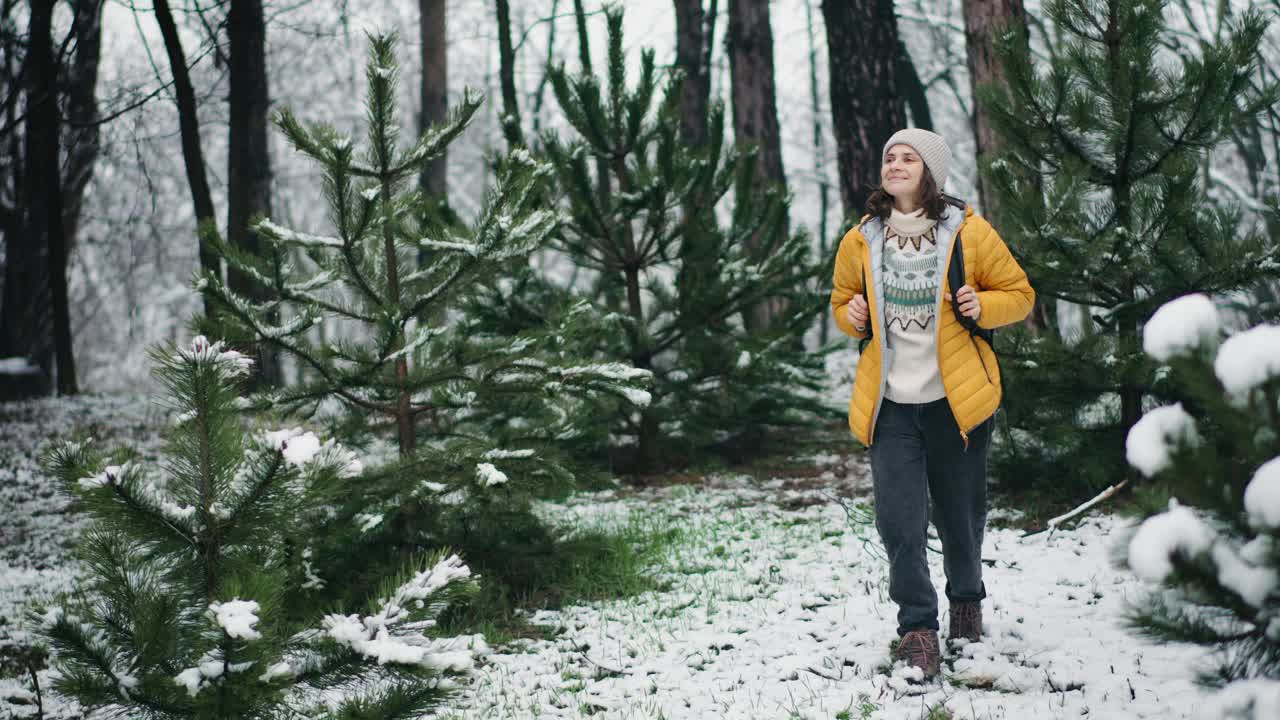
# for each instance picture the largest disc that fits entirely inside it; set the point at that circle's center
(902, 172)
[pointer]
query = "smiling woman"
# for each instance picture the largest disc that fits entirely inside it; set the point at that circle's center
(924, 380)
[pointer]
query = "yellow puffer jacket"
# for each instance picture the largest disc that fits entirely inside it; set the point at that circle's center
(972, 381)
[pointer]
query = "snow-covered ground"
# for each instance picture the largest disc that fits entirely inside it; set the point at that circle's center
(37, 533)
(773, 605)
(777, 607)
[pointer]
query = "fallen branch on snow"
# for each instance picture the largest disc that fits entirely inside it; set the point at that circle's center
(1055, 522)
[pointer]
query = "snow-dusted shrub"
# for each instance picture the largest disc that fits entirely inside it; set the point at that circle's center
(195, 564)
(1216, 550)
(392, 274)
(1104, 209)
(478, 416)
(716, 307)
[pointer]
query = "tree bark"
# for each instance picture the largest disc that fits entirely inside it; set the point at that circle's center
(435, 91)
(189, 128)
(913, 90)
(819, 153)
(755, 110)
(82, 133)
(248, 156)
(866, 100)
(511, 129)
(695, 93)
(25, 326)
(43, 147)
(983, 21)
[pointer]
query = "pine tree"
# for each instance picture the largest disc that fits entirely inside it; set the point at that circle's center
(1098, 188)
(472, 409)
(194, 565)
(672, 278)
(1217, 549)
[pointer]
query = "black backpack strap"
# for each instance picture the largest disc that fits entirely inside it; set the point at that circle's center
(955, 278)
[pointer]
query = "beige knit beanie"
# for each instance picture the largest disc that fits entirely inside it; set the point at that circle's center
(933, 150)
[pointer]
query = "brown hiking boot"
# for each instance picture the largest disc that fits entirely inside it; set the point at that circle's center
(966, 620)
(919, 648)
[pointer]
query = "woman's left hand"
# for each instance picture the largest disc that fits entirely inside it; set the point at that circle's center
(967, 298)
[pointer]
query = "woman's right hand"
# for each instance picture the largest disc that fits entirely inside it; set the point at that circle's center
(857, 313)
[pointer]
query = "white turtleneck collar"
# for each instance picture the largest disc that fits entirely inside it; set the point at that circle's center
(912, 224)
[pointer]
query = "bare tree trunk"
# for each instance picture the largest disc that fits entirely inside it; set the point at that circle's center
(820, 156)
(695, 93)
(25, 326)
(511, 128)
(435, 91)
(82, 130)
(913, 90)
(755, 111)
(43, 146)
(983, 21)
(866, 104)
(248, 156)
(189, 127)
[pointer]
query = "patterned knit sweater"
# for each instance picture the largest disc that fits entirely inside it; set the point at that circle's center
(911, 282)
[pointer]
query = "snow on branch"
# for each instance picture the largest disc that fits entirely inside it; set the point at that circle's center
(237, 618)
(125, 479)
(1180, 326)
(1178, 532)
(299, 448)
(488, 475)
(463, 247)
(419, 338)
(201, 350)
(1262, 496)
(1249, 359)
(372, 636)
(292, 237)
(1156, 435)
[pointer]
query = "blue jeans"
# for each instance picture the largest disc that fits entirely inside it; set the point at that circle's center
(917, 454)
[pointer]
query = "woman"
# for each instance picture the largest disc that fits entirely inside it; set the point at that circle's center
(927, 387)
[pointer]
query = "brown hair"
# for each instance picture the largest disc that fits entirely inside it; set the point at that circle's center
(880, 204)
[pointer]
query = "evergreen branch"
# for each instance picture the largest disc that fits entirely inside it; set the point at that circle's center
(300, 352)
(284, 236)
(255, 494)
(75, 642)
(439, 136)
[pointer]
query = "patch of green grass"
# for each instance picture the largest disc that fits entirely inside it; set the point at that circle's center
(939, 712)
(864, 708)
(524, 566)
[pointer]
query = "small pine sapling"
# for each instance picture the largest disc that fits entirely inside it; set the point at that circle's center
(675, 279)
(1100, 193)
(193, 565)
(1216, 550)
